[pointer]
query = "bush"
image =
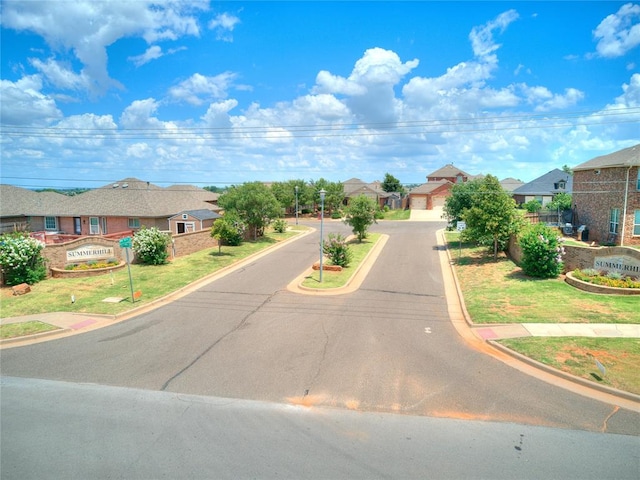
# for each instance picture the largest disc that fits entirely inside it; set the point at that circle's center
(228, 230)
(541, 252)
(337, 249)
(610, 279)
(532, 206)
(280, 225)
(150, 246)
(336, 215)
(21, 259)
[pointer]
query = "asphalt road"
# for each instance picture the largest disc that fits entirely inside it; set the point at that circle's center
(387, 347)
(79, 431)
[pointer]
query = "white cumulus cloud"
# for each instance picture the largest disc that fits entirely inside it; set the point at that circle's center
(619, 32)
(199, 88)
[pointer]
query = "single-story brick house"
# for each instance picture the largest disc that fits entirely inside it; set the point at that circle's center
(545, 187)
(606, 197)
(128, 204)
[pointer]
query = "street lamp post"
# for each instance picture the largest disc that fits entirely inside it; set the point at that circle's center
(322, 194)
(296, 204)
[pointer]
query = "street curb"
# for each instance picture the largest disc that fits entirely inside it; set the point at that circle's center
(522, 358)
(35, 336)
(353, 283)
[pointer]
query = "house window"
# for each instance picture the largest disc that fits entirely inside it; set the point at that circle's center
(134, 223)
(50, 223)
(614, 220)
(94, 226)
(185, 216)
(638, 182)
(636, 223)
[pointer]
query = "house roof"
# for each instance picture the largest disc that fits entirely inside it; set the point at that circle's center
(18, 202)
(510, 184)
(202, 214)
(429, 187)
(129, 197)
(545, 185)
(448, 171)
(626, 157)
(355, 186)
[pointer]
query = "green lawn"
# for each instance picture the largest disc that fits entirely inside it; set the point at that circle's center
(397, 215)
(12, 330)
(620, 357)
(339, 279)
(153, 281)
(498, 292)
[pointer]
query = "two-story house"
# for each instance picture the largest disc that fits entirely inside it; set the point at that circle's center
(606, 196)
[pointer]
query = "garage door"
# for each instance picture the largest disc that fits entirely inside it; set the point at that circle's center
(439, 201)
(419, 203)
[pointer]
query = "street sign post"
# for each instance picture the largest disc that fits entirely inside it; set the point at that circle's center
(460, 226)
(126, 244)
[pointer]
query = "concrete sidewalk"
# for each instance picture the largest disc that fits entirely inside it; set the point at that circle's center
(602, 330)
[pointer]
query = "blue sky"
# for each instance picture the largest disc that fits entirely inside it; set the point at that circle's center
(218, 93)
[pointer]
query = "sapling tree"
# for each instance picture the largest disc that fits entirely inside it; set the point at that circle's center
(360, 214)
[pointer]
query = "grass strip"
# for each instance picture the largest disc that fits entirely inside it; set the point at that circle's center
(340, 279)
(20, 329)
(619, 357)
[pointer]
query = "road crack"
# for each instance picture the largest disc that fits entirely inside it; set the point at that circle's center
(213, 345)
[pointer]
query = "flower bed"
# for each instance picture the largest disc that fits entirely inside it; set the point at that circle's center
(89, 269)
(600, 282)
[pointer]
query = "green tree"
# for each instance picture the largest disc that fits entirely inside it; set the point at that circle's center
(541, 252)
(391, 184)
(334, 196)
(492, 218)
(254, 203)
(461, 199)
(532, 206)
(561, 201)
(360, 214)
(285, 192)
(228, 230)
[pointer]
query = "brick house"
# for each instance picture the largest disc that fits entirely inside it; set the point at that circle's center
(434, 193)
(606, 197)
(126, 205)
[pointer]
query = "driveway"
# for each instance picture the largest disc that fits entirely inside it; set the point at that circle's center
(434, 215)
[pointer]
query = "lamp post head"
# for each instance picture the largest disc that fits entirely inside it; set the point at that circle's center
(323, 192)
(296, 187)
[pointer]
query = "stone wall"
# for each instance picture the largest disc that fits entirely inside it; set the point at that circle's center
(55, 255)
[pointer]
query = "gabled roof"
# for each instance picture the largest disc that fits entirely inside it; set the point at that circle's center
(202, 214)
(510, 184)
(546, 184)
(429, 187)
(355, 186)
(448, 171)
(626, 157)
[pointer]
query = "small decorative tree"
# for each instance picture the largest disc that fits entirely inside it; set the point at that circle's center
(360, 214)
(228, 230)
(337, 249)
(150, 246)
(541, 252)
(21, 259)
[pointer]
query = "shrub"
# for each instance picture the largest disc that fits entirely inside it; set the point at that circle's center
(228, 230)
(532, 206)
(21, 259)
(150, 246)
(280, 225)
(337, 249)
(610, 279)
(336, 215)
(541, 252)
(379, 215)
